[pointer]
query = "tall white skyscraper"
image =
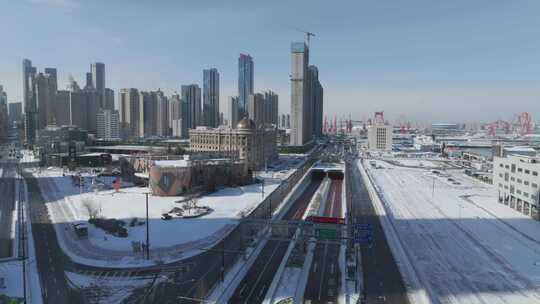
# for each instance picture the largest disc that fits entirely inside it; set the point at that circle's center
(301, 126)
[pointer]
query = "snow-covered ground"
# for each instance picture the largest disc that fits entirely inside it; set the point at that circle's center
(169, 239)
(464, 246)
(113, 289)
(419, 163)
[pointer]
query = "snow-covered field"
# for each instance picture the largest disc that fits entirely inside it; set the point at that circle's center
(464, 246)
(169, 239)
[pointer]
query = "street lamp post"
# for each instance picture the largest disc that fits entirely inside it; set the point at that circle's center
(147, 231)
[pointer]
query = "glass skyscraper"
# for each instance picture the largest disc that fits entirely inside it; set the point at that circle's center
(245, 82)
(211, 97)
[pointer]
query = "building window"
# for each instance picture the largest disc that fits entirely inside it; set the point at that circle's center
(520, 170)
(518, 191)
(527, 172)
(534, 185)
(512, 179)
(501, 165)
(519, 180)
(535, 173)
(526, 183)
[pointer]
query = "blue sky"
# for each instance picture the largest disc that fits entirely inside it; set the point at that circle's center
(417, 60)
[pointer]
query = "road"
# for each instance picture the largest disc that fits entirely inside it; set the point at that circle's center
(383, 282)
(256, 282)
(7, 205)
(51, 261)
(324, 278)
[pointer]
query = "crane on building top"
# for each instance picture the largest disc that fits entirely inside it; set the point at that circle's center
(308, 35)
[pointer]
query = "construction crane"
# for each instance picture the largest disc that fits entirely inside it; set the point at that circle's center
(308, 35)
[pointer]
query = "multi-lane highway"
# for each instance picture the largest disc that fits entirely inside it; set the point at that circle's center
(51, 261)
(255, 284)
(324, 277)
(7, 205)
(382, 280)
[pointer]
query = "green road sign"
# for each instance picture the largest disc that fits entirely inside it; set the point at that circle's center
(326, 234)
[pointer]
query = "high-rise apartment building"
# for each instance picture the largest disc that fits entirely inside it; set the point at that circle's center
(108, 125)
(127, 105)
(288, 122)
(211, 97)
(43, 94)
(316, 95)
(301, 125)
(162, 114)
(191, 95)
(177, 121)
(245, 82)
(233, 111)
(271, 108)
(4, 120)
(98, 81)
(109, 99)
(147, 114)
(89, 81)
(62, 108)
(15, 112)
(257, 109)
(30, 109)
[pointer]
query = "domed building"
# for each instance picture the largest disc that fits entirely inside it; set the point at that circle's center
(247, 143)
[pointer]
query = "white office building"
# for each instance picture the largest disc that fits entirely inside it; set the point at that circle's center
(380, 137)
(108, 125)
(517, 181)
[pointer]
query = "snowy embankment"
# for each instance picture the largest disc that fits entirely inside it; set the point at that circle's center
(11, 270)
(464, 246)
(170, 240)
(221, 292)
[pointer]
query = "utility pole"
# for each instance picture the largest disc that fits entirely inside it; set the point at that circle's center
(223, 260)
(433, 189)
(21, 231)
(147, 231)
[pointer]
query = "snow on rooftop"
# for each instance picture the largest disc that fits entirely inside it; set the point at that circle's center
(520, 149)
(172, 163)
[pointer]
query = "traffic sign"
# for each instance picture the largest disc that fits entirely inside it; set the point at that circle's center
(326, 220)
(326, 234)
(362, 226)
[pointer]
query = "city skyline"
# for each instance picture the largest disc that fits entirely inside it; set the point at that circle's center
(389, 63)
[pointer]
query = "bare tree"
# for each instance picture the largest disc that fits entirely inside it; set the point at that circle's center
(190, 203)
(91, 209)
